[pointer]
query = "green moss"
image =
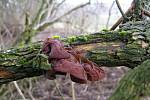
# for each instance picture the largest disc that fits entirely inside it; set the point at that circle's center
(56, 37)
(123, 33)
(71, 39)
(105, 30)
(134, 84)
(25, 57)
(82, 38)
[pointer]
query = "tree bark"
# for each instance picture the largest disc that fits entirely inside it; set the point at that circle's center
(20, 63)
(123, 47)
(135, 84)
(107, 48)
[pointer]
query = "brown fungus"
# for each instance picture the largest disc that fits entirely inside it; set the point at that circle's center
(55, 49)
(93, 72)
(75, 70)
(70, 61)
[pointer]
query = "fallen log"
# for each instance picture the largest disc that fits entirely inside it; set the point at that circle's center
(128, 46)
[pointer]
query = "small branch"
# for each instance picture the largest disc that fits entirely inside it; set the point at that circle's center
(73, 91)
(147, 13)
(109, 14)
(57, 87)
(116, 24)
(137, 9)
(27, 61)
(121, 11)
(19, 91)
(121, 18)
(46, 24)
(54, 9)
(59, 4)
(36, 19)
(27, 20)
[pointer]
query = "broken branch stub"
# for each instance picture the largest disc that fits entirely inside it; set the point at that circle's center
(70, 61)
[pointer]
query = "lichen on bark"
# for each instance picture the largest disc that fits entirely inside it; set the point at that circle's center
(123, 47)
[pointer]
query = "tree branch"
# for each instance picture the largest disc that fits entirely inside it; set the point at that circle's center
(20, 63)
(121, 11)
(105, 48)
(121, 18)
(147, 13)
(46, 24)
(109, 14)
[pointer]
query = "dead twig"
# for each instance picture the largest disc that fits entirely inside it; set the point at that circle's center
(46, 24)
(73, 91)
(57, 88)
(19, 90)
(146, 13)
(121, 18)
(121, 11)
(110, 9)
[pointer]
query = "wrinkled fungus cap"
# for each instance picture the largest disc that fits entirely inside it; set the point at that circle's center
(94, 73)
(74, 69)
(54, 49)
(69, 61)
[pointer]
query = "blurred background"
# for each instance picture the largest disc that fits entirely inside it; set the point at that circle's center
(35, 20)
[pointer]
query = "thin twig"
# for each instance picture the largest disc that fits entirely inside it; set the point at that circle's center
(57, 87)
(73, 91)
(121, 18)
(116, 24)
(147, 13)
(46, 24)
(110, 9)
(120, 9)
(29, 90)
(59, 4)
(98, 97)
(19, 90)
(54, 9)
(36, 19)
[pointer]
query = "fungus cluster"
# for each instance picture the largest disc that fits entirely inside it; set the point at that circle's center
(66, 60)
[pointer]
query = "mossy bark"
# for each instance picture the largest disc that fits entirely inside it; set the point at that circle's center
(107, 48)
(135, 84)
(20, 63)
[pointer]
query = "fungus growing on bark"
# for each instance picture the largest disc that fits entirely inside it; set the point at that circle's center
(76, 71)
(93, 72)
(69, 61)
(55, 49)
